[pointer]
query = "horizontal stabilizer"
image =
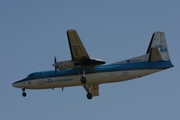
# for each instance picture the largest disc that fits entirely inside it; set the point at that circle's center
(154, 55)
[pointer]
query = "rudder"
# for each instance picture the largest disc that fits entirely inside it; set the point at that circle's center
(158, 41)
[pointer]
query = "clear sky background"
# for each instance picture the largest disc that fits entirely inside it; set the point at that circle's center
(32, 32)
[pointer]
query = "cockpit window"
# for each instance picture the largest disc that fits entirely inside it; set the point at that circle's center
(30, 75)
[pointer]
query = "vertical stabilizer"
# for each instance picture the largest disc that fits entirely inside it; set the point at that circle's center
(158, 41)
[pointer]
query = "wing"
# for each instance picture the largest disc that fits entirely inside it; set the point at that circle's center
(93, 89)
(78, 52)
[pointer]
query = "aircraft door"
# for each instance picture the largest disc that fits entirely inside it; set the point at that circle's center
(124, 71)
(40, 78)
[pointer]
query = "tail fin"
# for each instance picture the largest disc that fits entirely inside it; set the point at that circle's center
(158, 49)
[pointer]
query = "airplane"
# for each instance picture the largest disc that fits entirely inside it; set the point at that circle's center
(88, 72)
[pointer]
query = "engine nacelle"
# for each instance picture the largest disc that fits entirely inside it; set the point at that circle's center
(63, 65)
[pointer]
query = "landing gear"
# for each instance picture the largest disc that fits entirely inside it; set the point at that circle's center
(89, 96)
(83, 80)
(24, 93)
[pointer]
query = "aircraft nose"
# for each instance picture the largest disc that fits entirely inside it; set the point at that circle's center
(18, 84)
(14, 84)
(53, 64)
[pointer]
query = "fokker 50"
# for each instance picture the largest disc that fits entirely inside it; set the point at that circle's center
(84, 71)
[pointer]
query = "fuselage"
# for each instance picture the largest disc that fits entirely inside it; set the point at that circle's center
(97, 75)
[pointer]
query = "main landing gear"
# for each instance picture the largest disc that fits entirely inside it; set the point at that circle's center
(89, 90)
(83, 81)
(89, 96)
(23, 93)
(83, 78)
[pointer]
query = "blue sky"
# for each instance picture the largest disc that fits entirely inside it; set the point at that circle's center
(32, 32)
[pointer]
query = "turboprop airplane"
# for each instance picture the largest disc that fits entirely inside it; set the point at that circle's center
(84, 71)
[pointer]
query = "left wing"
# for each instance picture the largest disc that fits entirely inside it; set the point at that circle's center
(80, 58)
(93, 89)
(78, 52)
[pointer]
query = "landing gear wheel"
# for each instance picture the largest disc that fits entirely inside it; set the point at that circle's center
(83, 80)
(89, 96)
(24, 94)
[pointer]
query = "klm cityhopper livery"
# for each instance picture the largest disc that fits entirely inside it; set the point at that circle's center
(84, 71)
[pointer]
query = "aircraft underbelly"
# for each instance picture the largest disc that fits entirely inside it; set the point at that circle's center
(120, 76)
(109, 77)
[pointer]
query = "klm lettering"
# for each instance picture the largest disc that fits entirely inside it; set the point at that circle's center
(49, 81)
(161, 49)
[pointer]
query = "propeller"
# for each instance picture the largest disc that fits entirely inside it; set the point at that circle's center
(55, 61)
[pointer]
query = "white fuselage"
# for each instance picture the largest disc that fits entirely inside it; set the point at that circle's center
(74, 80)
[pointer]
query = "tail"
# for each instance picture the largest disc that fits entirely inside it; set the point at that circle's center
(158, 49)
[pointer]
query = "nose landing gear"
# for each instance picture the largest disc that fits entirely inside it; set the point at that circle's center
(23, 93)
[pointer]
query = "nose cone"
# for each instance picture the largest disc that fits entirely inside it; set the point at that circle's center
(56, 65)
(18, 84)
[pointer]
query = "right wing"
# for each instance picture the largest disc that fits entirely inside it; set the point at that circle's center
(78, 52)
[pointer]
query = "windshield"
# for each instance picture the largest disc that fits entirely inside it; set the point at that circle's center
(30, 75)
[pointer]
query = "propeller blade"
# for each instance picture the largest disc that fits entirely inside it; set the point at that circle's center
(55, 61)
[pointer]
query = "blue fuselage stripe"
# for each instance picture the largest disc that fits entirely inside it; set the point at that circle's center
(101, 69)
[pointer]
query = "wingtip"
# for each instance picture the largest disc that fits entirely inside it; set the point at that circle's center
(70, 30)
